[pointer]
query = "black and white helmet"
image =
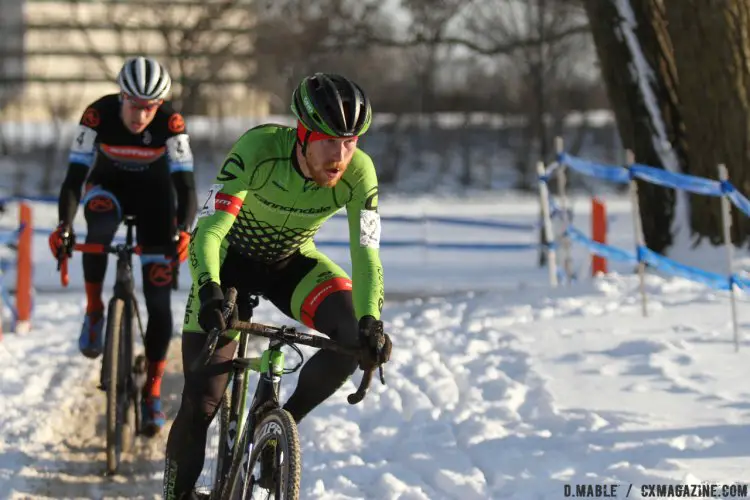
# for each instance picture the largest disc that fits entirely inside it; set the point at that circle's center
(144, 78)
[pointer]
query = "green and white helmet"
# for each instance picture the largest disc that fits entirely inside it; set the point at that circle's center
(333, 105)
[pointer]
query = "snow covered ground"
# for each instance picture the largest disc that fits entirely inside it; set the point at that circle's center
(499, 387)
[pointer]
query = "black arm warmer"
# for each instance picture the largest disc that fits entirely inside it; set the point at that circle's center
(187, 203)
(70, 193)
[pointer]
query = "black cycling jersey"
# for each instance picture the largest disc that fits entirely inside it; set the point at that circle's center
(133, 174)
(104, 147)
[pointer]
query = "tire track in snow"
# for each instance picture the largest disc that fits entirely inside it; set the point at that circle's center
(465, 386)
(58, 448)
(69, 458)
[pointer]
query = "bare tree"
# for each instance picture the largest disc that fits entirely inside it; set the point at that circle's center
(297, 38)
(632, 34)
(203, 45)
(534, 39)
(214, 45)
(11, 60)
(712, 55)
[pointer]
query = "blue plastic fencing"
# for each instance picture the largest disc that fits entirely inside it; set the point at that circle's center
(5, 265)
(9, 237)
(421, 220)
(13, 199)
(601, 249)
(694, 184)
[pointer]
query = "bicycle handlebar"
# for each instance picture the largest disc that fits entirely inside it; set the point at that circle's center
(288, 335)
(167, 250)
(98, 248)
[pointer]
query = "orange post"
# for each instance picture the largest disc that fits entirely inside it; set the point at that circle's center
(24, 271)
(598, 234)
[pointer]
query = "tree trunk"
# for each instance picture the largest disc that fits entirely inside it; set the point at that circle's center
(712, 51)
(639, 124)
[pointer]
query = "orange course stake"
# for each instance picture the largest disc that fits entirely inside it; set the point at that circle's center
(24, 271)
(598, 234)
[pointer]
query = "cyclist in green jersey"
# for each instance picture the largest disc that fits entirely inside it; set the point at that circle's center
(255, 231)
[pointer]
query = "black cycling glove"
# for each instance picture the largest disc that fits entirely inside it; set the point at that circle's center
(377, 344)
(210, 315)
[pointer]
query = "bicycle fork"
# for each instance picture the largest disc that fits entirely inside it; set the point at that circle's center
(266, 398)
(237, 404)
(135, 378)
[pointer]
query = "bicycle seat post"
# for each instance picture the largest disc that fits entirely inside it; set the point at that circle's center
(129, 223)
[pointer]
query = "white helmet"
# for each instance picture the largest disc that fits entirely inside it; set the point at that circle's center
(144, 78)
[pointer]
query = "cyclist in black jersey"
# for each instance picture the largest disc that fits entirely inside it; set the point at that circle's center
(132, 152)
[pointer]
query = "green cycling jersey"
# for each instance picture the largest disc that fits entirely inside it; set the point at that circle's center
(263, 208)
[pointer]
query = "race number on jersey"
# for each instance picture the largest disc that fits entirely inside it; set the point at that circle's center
(178, 149)
(209, 207)
(369, 229)
(83, 140)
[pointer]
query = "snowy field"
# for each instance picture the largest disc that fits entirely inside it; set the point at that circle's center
(499, 386)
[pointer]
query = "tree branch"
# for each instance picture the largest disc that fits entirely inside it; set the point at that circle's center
(503, 48)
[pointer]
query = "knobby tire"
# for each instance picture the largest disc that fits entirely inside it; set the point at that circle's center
(114, 430)
(287, 486)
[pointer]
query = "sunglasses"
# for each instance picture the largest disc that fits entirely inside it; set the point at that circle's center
(141, 104)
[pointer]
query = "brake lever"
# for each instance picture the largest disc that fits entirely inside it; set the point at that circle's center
(62, 252)
(364, 385)
(230, 302)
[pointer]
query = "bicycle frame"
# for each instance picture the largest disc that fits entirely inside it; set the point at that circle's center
(121, 372)
(271, 367)
(124, 289)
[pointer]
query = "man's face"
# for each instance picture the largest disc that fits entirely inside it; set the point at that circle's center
(327, 159)
(137, 113)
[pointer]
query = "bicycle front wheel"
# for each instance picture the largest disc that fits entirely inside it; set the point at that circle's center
(116, 390)
(272, 469)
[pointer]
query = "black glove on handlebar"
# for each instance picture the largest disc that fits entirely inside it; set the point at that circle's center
(376, 343)
(210, 314)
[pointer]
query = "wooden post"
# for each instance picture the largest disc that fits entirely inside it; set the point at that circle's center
(547, 225)
(562, 192)
(637, 230)
(726, 219)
